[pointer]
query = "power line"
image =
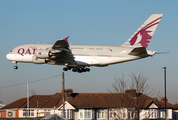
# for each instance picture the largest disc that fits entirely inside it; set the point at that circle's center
(30, 81)
(44, 79)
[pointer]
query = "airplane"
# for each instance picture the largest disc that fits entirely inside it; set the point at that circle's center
(79, 58)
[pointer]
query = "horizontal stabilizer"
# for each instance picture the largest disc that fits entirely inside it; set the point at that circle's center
(138, 51)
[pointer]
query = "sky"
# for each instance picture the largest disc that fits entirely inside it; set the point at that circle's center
(100, 22)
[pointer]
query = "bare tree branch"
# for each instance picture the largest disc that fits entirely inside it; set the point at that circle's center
(128, 98)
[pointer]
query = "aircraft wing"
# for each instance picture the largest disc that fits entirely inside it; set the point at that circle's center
(61, 54)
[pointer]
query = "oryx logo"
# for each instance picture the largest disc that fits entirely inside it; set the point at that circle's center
(143, 37)
(39, 53)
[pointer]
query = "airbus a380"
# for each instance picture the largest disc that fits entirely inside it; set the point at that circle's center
(80, 57)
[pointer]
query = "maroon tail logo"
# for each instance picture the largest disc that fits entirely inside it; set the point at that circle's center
(142, 37)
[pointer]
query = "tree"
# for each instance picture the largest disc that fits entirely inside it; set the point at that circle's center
(133, 93)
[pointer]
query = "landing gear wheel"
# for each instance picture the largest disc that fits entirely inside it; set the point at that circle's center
(74, 70)
(65, 69)
(69, 68)
(88, 69)
(15, 67)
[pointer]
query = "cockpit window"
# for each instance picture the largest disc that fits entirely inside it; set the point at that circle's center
(11, 50)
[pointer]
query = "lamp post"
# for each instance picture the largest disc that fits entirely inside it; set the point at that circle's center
(165, 88)
(63, 94)
(27, 100)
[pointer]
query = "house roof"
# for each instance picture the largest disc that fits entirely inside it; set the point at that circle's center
(34, 102)
(176, 106)
(15, 104)
(52, 101)
(147, 101)
(99, 100)
(87, 100)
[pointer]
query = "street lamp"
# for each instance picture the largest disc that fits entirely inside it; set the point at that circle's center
(165, 88)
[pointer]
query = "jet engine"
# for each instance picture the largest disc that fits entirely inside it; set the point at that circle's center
(38, 61)
(42, 54)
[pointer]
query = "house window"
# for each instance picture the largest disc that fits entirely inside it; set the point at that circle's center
(124, 113)
(28, 113)
(68, 113)
(163, 114)
(81, 113)
(153, 113)
(86, 113)
(31, 112)
(100, 113)
(147, 112)
(131, 113)
(112, 113)
(47, 112)
(167, 113)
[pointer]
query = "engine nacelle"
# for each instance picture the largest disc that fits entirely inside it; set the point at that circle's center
(42, 54)
(38, 61)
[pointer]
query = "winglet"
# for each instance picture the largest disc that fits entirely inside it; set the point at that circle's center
(61, 43)
(66, 39)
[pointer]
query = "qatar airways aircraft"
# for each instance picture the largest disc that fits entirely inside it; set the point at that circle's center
(80, 57)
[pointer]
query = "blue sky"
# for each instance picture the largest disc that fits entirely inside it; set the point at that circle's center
(101, 22)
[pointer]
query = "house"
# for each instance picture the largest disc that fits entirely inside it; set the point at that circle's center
(90, 106)
(175, 112)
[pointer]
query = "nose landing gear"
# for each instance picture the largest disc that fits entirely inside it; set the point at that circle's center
(15, 67)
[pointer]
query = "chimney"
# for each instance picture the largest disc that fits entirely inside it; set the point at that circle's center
(131, 92)
(163, 99)
(69, 93)
(155, 98)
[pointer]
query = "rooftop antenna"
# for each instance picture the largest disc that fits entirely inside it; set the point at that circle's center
(0, 99)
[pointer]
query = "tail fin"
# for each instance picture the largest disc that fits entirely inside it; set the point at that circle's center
(144, 33)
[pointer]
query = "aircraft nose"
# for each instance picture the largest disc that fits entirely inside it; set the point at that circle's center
(9, 56)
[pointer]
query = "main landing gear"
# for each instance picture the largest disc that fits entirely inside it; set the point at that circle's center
(77, 69)
(15, 67)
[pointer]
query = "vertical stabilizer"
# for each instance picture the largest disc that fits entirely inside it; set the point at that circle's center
(144, 33)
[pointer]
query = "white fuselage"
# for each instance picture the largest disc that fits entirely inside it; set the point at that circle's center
(84, 55)
(79, 56)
